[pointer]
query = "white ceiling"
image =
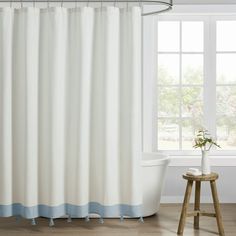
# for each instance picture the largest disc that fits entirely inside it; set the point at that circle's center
(208, 2)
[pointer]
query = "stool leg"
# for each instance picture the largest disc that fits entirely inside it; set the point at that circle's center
(185, 207)
(197, 203)
(217, 208)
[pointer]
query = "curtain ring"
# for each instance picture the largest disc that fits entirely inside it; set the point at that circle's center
(101, 4)
(48, 4)
(115, 3)
(76, 5)
(87, 3)
(62, 3)
(141, 6)
(21, 4)
(11, 4)
(140, 3)
(34, 3)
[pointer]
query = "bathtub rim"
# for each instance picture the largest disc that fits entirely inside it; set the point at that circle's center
(159, 159)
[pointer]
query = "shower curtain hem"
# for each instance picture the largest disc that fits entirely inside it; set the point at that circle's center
(80, 211)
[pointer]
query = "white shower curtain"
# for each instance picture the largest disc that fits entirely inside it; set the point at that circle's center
(70, 115)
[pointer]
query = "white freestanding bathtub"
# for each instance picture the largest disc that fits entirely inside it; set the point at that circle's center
(154, 166)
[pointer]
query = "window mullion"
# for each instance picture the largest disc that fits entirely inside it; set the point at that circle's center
(180, 86)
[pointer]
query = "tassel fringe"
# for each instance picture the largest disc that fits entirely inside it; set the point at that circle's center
(33, 222)
(101, 220)
(51, 222)
(141, 219)
(69, 219)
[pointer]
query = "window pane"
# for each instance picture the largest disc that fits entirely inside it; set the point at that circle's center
(168, 69)
(226, 100)
(226, 69)
(226, 35)
(189, 129)
(168, 102)
(192, 102)
(168, 36)
(192, 36)
(192, 69)
(168, 134)
(226, 132)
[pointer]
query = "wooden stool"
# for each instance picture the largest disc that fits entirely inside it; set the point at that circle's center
(196, 213)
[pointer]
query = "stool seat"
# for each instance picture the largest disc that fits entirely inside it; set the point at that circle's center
(212, 176)
(196, 213)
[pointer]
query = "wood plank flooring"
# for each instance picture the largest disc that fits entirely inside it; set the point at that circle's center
(163, 224)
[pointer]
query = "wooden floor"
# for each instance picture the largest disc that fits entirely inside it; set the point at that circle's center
(164, 224)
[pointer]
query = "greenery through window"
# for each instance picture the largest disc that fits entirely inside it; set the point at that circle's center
(226, 83)
(182, 100)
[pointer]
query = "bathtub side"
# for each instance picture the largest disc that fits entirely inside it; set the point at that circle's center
(154, 172)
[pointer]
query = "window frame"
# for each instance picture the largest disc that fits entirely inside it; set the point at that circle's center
(209, 85)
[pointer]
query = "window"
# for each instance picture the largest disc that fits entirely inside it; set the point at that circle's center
(226, 83)
(196, 80)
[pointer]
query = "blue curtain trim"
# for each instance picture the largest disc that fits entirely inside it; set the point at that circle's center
(17, 209)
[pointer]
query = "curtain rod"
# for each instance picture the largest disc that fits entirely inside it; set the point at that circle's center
(166, 4)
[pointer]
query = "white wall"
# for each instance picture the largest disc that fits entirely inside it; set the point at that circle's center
(185, 2)
(175, 185)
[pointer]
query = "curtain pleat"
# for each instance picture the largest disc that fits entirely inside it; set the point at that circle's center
(70, 112)
(6, 173)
